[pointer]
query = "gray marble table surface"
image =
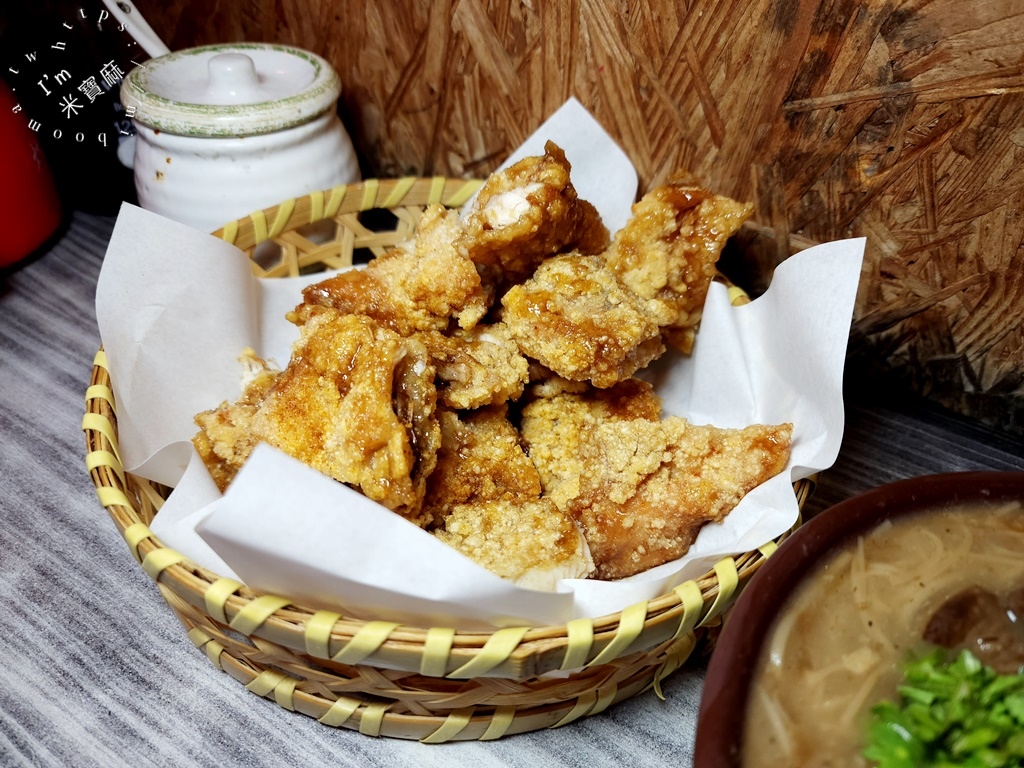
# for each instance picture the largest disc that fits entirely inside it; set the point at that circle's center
(96, 671)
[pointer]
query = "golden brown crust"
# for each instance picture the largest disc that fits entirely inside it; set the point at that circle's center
(478, 367)
(669, 249)
(531, 543)
(641, 488)
(355, 402)
(400, 381)
(557, 421)
(486, 497)
(225, 438)
(577, 318)
(419, 286)
(602, 318)
(526, 213)
(481, 458)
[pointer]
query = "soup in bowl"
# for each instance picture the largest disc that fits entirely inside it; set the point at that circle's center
(823, 634)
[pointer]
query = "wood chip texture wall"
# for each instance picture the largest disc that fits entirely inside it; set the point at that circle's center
(898, 120)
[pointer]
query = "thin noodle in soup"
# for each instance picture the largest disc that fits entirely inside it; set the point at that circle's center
(840, 642)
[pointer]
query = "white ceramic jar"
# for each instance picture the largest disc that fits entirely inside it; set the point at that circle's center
(225, 130)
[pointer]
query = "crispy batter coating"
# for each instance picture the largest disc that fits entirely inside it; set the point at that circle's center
(453, 269)
(481, 458)
(225, 438)
(400, 382)
(414, 394)
(642, 489)
(486, 495)
(419, 286)
(526, 213)
(559, 417)
(544, 382)
(478, 367)
(669, 249)
(577, 318)
(531, 543)
(356, 402)
(602, 318)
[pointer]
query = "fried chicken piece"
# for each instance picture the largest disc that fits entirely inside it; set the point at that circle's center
(356, 402)
(418, 286)
(478, 367)
(531, 543)
(454, 268)
(526, 213)
(559, 418)
(414, 393)
(669, 249)
(631, 398)
(642, 489)
(481, 458)
(602, 318)
(485, 493)
(577, 318)
(225, 437)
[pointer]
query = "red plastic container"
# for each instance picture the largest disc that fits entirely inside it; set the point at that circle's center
(30, 208)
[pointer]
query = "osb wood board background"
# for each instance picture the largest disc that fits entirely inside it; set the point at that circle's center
(899, 121)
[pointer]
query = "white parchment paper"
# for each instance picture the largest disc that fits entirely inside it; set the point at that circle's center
(176, 307)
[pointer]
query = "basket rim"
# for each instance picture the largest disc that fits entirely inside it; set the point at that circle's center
(258, 226)
(583, 643)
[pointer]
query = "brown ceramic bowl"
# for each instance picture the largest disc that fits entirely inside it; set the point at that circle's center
(732, 665)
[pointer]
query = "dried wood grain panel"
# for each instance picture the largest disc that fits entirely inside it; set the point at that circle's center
(897, 120)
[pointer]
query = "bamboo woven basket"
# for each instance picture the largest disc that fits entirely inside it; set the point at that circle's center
(433, 684)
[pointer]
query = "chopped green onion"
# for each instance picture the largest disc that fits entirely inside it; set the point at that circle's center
(950, 713)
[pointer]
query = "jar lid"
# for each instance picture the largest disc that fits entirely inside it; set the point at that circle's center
(241, 89)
